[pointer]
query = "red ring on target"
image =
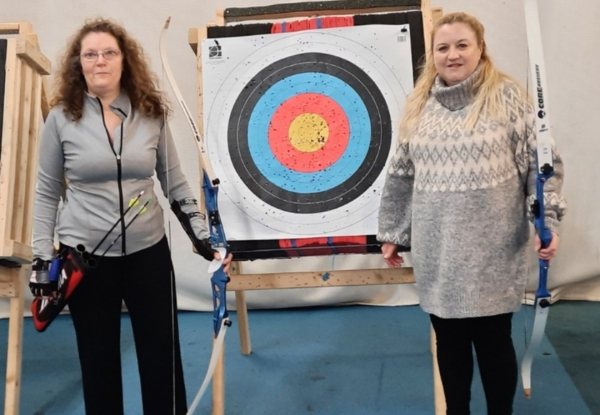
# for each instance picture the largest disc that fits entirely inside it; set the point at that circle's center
(333, 148)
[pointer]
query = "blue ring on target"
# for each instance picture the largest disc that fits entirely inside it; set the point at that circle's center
(344, 167)
(362, 178)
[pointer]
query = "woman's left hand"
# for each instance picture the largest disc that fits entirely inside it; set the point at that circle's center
(550, 251)
(226, 261)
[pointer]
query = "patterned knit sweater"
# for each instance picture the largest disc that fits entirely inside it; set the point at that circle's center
(461, 200)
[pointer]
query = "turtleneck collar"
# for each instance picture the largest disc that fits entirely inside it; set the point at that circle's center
(457, 96)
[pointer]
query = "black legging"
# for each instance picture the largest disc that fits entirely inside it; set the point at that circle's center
(491, 337)
(144, 280)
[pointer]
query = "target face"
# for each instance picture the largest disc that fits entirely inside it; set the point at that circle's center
(312, 135)
(300, 130)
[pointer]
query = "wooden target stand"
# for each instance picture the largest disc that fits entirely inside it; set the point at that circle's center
(24, 106)
(240, 282)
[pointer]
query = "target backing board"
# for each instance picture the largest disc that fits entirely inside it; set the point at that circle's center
(300, 126)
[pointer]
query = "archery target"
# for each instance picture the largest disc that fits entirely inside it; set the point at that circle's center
(299, 127)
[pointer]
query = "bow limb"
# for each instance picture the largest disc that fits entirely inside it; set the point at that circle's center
(169, 73)
(210, 189)
(218, 240)
(545, 170)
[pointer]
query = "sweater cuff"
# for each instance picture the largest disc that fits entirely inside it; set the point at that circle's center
(394, 238)
(552, 224)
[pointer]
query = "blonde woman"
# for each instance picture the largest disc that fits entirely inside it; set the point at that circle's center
(458, 192)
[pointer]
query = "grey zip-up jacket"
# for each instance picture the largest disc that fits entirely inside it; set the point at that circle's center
(81, 152)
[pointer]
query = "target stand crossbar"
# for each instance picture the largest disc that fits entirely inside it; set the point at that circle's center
(314, 9)
(263, 18)
(318, 8)
(24, 103)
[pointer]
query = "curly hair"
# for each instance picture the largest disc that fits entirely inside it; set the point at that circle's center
(137, 80)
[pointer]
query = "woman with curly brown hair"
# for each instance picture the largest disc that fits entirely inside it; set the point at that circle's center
(106, 135)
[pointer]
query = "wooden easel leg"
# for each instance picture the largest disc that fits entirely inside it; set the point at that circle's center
(438, 390)
(218, 385)
(242, 313)
(243, 327)
(15, 344)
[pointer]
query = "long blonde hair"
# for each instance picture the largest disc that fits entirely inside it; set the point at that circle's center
(489, 82)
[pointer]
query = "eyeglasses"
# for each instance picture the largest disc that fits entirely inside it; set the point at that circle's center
(108, 55)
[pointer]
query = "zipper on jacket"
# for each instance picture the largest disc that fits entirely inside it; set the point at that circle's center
(119, 174)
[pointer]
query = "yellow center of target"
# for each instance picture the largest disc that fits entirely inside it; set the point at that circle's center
(308, 132)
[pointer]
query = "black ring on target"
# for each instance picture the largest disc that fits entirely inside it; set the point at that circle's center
(368, 171)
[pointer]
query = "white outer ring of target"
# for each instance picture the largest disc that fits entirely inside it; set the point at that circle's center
(392, 76)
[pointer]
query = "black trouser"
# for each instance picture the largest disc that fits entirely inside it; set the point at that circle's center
(491, 337)
(145, 281)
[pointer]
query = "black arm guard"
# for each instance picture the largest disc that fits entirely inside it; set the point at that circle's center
(202, 245)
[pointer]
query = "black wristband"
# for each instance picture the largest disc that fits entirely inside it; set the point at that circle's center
(39, 264)
(202, 245)
(205, 250)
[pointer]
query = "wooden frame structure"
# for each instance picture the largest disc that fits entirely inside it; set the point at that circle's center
(240, 282)
(24, 106)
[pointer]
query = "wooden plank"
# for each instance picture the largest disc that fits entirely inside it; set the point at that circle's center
(33, 38)
(203, 161)
(15, 345)
(202, 35)
(22, 28)
(9, 139)
(17, 252)
(7, 288)
(9, 282)
(25, 28)
(45, 103)
(243, 322)
(341, 278)
(6, 274)
(22, 144)
(218, 385)
(34, 57)
(220, 19)
(193, 39)
(32, 156)
(195, 36)
(20, 131)
(45, 100)
(427, 25)
(242, 313)
(437, 14)
(9, 28)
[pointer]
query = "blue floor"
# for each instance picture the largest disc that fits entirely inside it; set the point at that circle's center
(352, 360)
